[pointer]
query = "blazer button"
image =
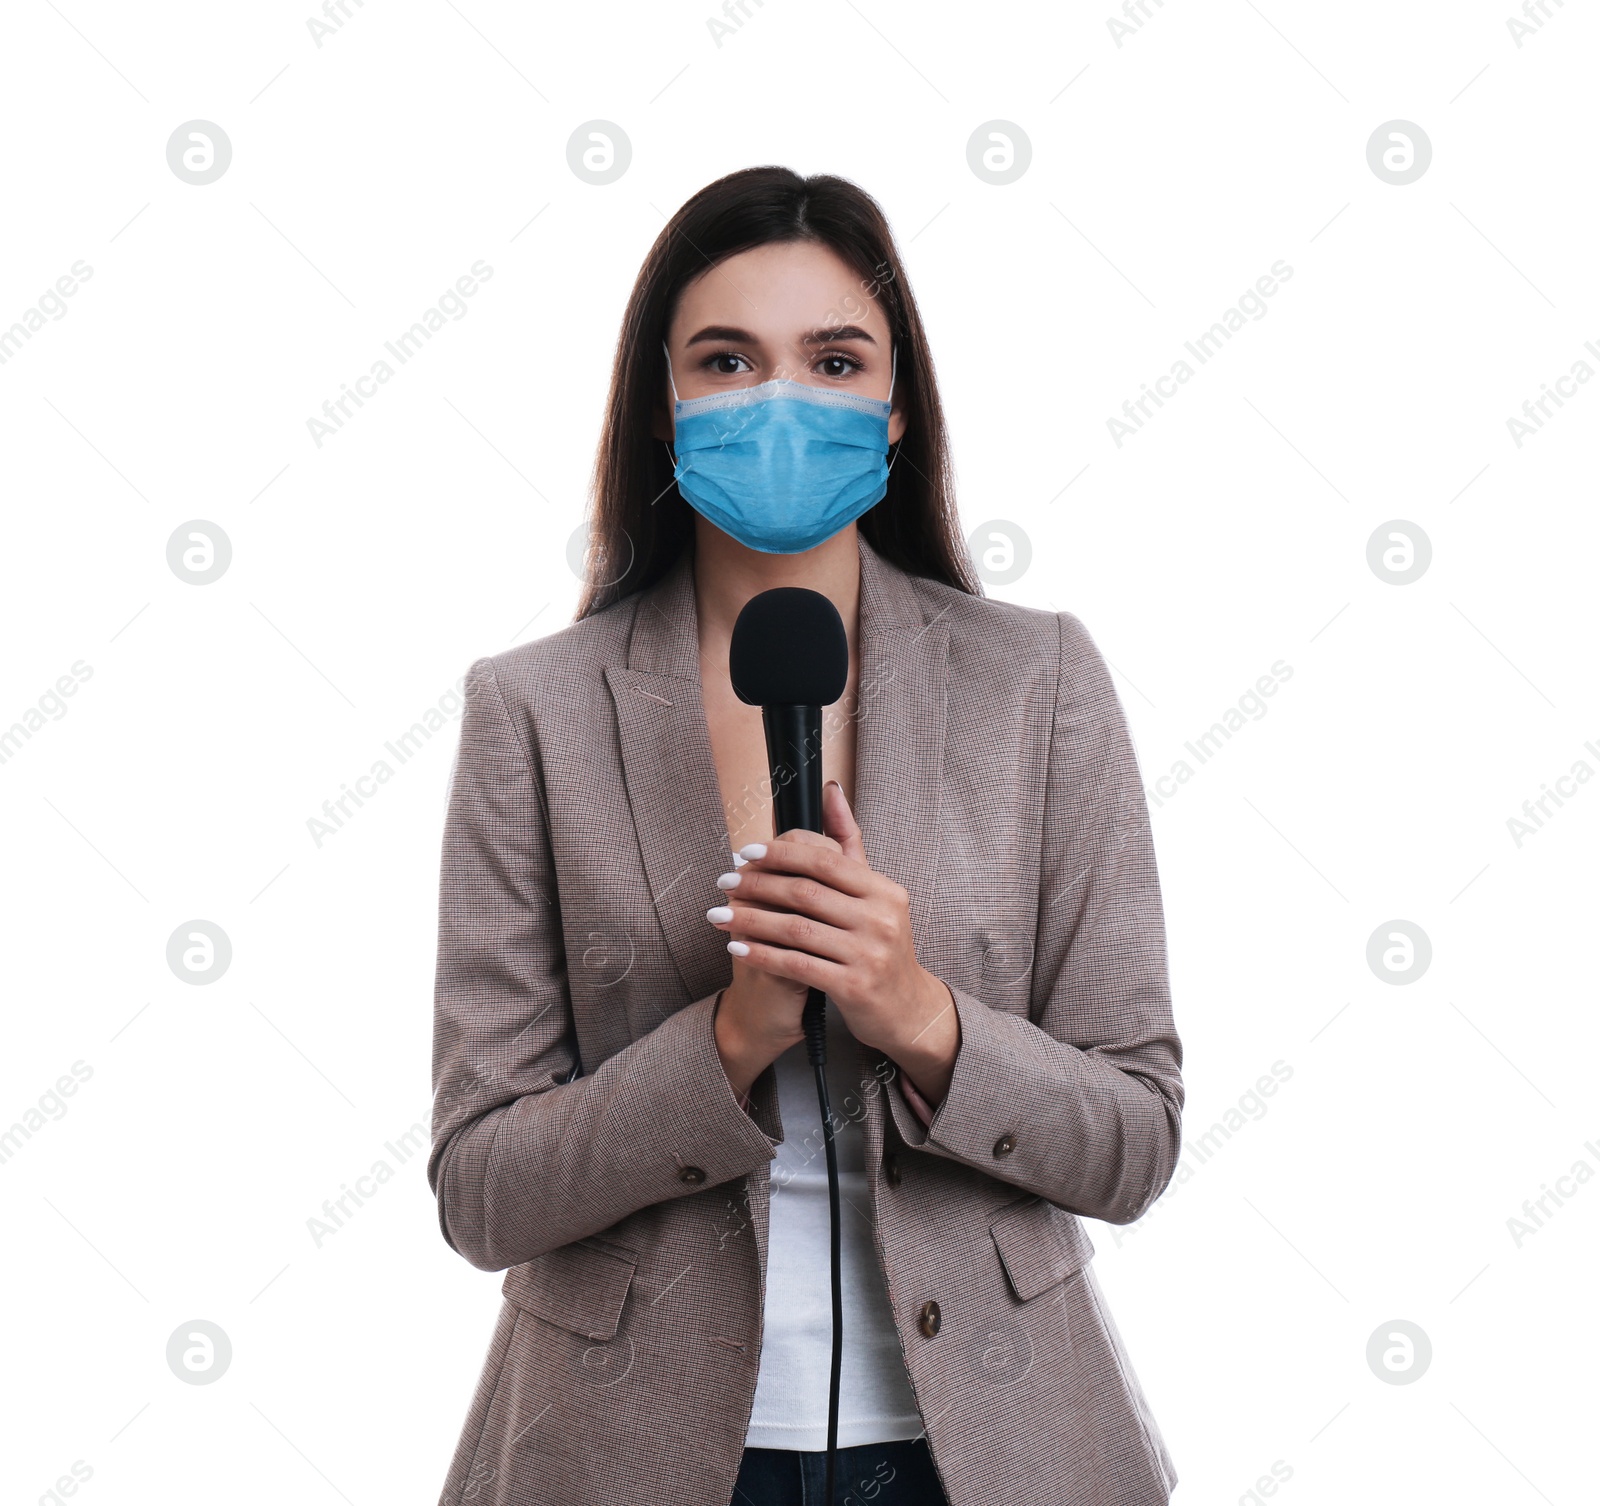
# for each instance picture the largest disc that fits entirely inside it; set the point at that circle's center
(692, 1175)
(891, 1168)
(928, 1319)
(1005, 1145)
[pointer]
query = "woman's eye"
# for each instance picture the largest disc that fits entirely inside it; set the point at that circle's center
(717, 365)
(837, 366)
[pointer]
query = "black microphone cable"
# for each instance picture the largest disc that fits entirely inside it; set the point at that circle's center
(814, 1021)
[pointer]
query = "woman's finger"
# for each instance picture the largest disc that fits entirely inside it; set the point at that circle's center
(784, 962)
(828, 864)
(839, 821)
(781, 928)
(793, 892)
(815, 838)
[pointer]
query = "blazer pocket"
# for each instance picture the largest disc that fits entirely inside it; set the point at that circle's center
(580, 1287)
(1040, 1245)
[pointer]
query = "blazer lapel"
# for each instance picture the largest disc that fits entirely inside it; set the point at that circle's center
(900, 732)
(671, 776)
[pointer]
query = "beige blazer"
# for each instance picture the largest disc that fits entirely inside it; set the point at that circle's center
(587, 1142)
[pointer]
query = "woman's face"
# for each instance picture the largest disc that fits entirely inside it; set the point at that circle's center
(789, 310)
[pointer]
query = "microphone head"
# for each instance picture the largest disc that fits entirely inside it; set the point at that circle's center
(789, 649)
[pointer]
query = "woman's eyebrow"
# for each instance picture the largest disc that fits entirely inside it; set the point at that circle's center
(837, 332)
(732, 334)
(723, 332)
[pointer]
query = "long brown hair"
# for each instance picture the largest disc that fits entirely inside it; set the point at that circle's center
(639, 522)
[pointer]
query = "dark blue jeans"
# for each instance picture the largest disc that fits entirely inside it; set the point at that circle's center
(873, 1474)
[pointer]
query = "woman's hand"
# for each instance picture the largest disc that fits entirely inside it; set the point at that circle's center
(812, 911)
(758, 1016)
(757, 1020)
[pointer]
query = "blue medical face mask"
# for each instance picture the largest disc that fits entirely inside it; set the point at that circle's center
(781, 467)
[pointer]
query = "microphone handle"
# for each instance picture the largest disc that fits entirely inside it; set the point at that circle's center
(794, 757)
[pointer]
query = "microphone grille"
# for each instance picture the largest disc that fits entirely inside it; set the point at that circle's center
(789, 649)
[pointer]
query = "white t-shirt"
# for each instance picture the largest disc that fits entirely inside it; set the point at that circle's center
(876, 1403)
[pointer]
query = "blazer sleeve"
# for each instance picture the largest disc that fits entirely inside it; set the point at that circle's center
(527, 1154)
(1088, 1085)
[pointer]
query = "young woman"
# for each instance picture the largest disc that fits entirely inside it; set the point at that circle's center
(624, 1118)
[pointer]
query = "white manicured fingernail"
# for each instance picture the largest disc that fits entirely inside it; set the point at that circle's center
(753, 850)
(738, 948)
(728, 880)
(719, 913)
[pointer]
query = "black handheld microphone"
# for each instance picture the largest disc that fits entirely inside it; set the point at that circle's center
(790, 656)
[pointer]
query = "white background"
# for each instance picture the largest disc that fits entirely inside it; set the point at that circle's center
(1231, 532)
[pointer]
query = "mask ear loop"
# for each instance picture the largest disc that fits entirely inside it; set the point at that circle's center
(675, 399)
(894, 361)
